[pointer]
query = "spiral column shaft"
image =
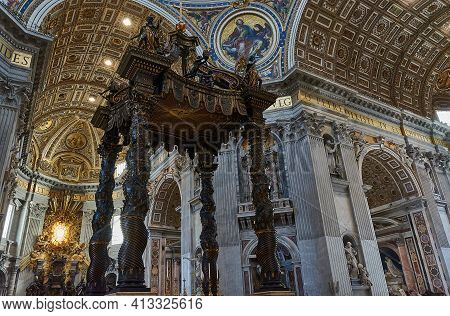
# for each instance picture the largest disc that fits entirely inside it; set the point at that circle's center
(136, 204)
(101, 222)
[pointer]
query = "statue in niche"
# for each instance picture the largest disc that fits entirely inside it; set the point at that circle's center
(434, 188)
(332, 157)
(273, 174)
(244, 179)
(352, 261)
(392, 270)
(364, 275)
(150, 35)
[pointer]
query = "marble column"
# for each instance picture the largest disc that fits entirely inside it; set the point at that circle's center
(406, 265)
(324, 267)
(225, 187)
(361, 212)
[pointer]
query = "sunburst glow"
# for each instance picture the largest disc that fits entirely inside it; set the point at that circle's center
(60, 233)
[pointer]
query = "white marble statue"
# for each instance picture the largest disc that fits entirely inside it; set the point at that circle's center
(352, 261)
(364, 275)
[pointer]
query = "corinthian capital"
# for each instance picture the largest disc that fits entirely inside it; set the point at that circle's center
(307, 124)
(342, 132)
(14, 94)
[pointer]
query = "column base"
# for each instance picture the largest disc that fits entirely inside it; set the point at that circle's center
(131, 292)
(274, 293)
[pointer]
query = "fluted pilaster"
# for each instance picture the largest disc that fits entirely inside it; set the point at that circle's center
(324, 267)
(225, 195)
(361, 212)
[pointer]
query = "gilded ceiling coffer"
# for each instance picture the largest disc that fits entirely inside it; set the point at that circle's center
(178, 99)
(102, 232)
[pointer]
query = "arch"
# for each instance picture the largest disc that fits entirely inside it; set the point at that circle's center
(293, 34)
(289, 259)
(389, 177)
(282, 240)
(165, 203)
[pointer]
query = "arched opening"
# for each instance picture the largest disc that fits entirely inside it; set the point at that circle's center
(395, 277)
(165, 235)
(396, 207)
(289, 266)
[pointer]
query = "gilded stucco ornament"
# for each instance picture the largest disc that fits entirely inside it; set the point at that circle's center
(57, 255)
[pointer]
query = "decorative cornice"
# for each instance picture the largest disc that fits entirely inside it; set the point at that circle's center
(306, 81)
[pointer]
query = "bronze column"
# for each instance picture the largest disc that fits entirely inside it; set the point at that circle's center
(208, 236)
(101, 222)
(264, 219)
(136, 204)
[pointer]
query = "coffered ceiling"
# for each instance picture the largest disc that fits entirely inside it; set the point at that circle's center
(90, 38)
(395, 51)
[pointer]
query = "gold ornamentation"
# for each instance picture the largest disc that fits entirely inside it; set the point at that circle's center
(60, 237)
(76, 141)
(443, 82)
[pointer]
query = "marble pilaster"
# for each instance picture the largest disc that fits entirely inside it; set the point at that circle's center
(361, 212)
(324, 267)
(187, 250)
(407, 269)
(226, 195)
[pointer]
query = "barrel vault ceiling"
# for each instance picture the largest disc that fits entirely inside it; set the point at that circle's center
(395, 51)
(87, 35)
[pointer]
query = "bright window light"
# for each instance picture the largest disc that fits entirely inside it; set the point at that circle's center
(117, 236)
(120, 168)
(126, 22)
(7, 221)
(444, 116)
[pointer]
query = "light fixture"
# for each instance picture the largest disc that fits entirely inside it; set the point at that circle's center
(91, 99)
(108, 62)
(60, 233)
(126, 21)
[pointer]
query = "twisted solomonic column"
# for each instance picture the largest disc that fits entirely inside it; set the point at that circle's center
(136, 205)
(264, 219)
(101, 222)
(208, 236)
